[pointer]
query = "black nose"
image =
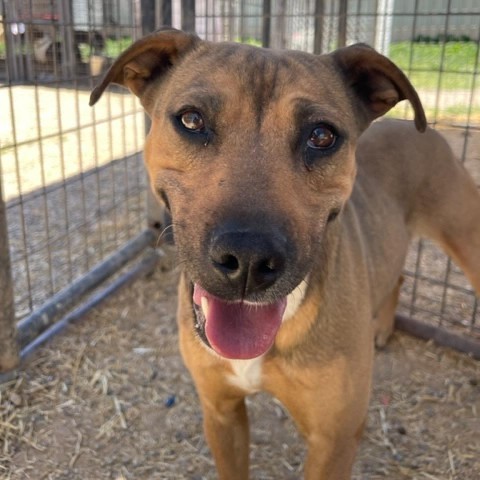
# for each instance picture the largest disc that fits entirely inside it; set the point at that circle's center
(250, 261)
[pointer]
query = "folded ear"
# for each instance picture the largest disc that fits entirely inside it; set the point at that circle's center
(377, 83)
(145, 61)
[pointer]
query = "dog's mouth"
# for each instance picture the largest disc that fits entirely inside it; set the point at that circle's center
(240, 329)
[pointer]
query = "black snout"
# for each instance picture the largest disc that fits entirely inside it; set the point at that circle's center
(248, 261)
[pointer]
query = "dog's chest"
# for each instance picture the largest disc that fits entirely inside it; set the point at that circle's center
(247, 374)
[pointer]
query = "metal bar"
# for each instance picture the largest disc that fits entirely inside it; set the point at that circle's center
(66, 27)
(155, 213)
(318, 27)
(148, 15)
(342, 23)
(243, 16)
(439, 335)
(14, 60)
(188, 15)
(282, 24)
(144, 267)
(165, 13)
(266, 23)
(42, 318)
(8, 344)
(440, 283)
(83, 190)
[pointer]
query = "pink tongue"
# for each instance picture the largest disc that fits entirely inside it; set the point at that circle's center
(240, 330)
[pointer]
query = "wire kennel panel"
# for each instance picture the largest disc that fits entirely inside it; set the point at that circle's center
(72, 176)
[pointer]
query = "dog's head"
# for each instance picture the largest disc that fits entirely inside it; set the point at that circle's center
(253, 153)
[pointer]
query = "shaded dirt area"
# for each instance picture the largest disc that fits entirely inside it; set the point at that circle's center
(110, 399)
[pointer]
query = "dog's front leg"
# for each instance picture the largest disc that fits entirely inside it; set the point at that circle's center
(225, 420)
(226, 429)
(329, 404)
(331, 445)
(326, 461)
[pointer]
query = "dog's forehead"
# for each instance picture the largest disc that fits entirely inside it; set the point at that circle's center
(254, 67)
(242, 56)
(222, 74)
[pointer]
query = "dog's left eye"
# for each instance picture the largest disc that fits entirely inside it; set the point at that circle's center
(322, 137)
(193, 121)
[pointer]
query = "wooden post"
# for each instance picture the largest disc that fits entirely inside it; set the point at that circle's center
(9, 357)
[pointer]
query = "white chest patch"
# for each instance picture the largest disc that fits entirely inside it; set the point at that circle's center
(247, 374)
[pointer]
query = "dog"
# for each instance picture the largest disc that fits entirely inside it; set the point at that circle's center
(292, 214)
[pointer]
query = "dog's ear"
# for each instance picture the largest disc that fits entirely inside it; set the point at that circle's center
(377, 82)
(146, 60)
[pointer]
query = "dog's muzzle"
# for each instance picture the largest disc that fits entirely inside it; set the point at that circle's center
(238, 298)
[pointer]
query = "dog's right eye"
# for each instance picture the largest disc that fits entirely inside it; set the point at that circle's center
(192, 121)
(322, 137)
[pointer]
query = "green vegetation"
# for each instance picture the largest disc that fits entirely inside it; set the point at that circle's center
(423, 63)
(449, 67)
(249, 41)
(420, 60)
(114, 47)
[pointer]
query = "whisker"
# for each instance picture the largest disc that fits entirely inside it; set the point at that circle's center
(162, 234)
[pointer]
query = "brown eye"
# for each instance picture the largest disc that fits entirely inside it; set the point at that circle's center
(322, 138)
(193, 121)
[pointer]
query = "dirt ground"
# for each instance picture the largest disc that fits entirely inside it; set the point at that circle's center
(110, 399)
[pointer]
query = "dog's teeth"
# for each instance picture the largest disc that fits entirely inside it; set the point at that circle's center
(205, 306)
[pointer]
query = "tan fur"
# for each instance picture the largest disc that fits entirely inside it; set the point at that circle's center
(387, 182)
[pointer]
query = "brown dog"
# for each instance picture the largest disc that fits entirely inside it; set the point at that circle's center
(292, 224)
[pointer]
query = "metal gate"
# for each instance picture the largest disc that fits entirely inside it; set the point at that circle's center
(73, 183)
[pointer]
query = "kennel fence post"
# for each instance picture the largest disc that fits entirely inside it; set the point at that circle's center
(318, 27)
(67, 48)
(188, 15)
(266, 23)
(153, 14)
(148, 15)
(15, 65)
(342, 24)
(9, 357)
(163, 13)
